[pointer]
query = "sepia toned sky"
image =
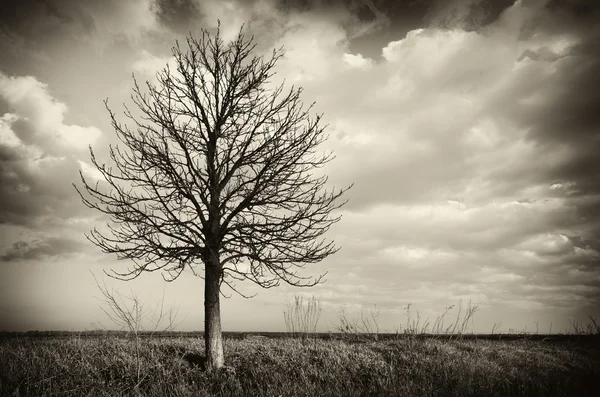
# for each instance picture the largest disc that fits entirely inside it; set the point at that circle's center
(470, 129)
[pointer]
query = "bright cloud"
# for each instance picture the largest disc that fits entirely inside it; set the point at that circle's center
(148, 65)
(37, 118)
(312, 48)
(357, 61)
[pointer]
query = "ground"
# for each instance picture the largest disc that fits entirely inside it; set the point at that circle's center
(349, 366)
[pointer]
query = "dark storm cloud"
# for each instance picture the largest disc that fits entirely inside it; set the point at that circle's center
(367, 10)
(572, 115)
(564, 116)
(415, 12)
(393, 19)
(35, 18)
(46, 25)
(34, 33)
(27, 31)
(585, 10)
(567, 112)
(464, 14)
(32, 192)
(178, 15)
(572, 118)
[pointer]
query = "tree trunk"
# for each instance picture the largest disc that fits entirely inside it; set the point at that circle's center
(213, 341)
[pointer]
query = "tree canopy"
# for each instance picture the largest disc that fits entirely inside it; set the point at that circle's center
(216, 170)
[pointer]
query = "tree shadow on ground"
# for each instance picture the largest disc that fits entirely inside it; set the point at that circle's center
(195, 360)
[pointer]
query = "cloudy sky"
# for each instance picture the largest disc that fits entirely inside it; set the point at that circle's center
(469, 127)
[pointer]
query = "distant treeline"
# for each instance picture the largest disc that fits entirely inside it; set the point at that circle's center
(117, 333)
(273, 335)
(95, 333)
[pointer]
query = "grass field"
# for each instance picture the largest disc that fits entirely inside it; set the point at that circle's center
(263, 366)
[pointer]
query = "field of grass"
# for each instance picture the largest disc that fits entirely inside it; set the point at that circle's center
(259, 366)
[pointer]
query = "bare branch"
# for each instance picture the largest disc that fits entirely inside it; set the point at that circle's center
(216, 169)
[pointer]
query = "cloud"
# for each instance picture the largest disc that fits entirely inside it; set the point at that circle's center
(37, 192)
(357, 61)
(37, 119)
(113, 20)
(312, 48)
(50, 18)
(40, 24)
(178, 15)
(90, 172)
(474, 154)
(443, 113)
(45, 249)
(148, 65)
(548, 244)
(231, 14)
(38, 154)
(7, 136)
(457, 14)
(456, 196)
(470, 132)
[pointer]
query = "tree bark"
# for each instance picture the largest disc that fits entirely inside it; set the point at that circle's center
(213, 341)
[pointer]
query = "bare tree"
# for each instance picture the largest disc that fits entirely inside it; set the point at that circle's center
(217, 174)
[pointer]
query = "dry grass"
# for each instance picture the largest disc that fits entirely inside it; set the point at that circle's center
(286, 367)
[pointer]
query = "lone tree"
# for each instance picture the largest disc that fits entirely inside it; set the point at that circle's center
(216, 173)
